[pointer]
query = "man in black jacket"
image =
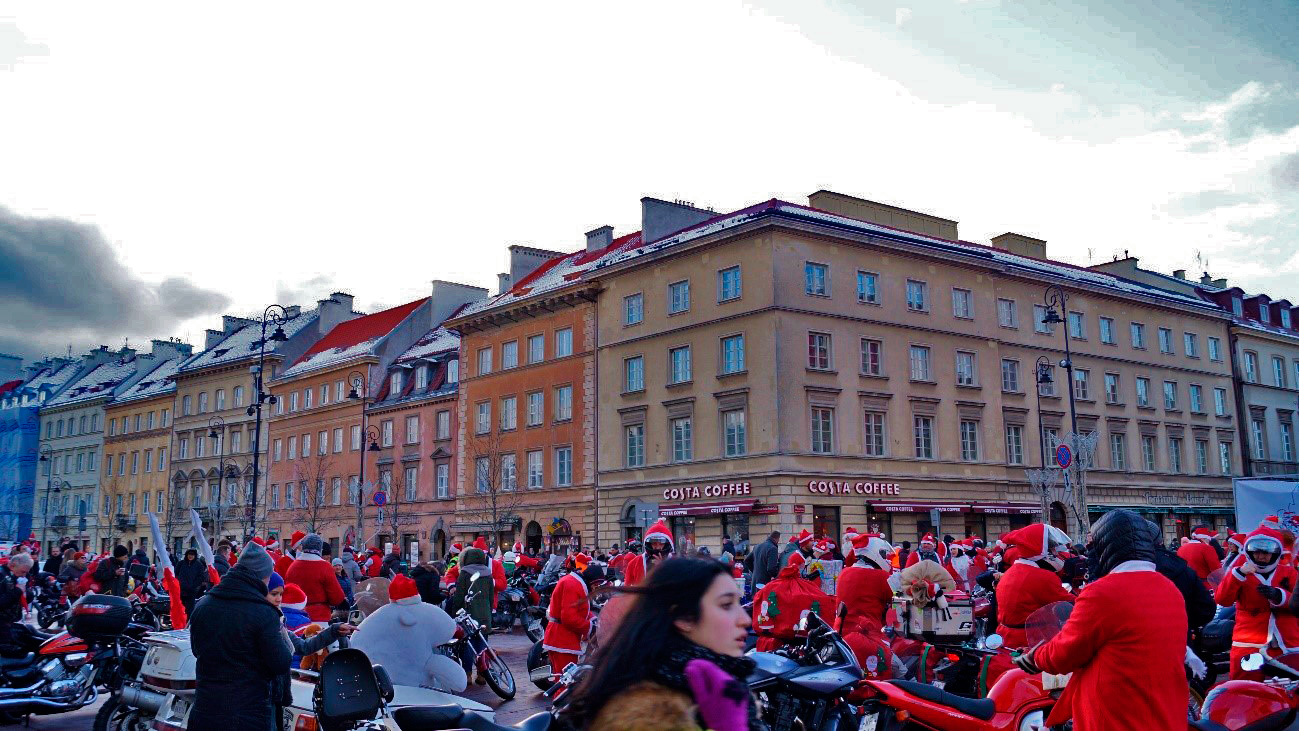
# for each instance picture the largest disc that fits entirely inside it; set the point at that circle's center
(1200, 606)
(766, 560)
(429, 582)
(192, 574)
(221, 559)
(240, 647)
(111, 574)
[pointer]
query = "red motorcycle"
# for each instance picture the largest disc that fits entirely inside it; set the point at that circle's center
(1247, 705)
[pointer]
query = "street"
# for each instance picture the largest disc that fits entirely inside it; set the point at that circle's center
(512, 647)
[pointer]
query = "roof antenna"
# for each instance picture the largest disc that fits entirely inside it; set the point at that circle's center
(1091, 252)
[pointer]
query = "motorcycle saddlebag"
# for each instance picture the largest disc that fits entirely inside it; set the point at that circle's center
(99, 617)
(348, 690)
(160, 605)
(1216, 635)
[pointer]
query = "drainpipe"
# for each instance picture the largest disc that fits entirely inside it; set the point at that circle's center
(1238, 388)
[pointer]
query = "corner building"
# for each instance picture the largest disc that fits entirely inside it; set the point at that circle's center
(854, 364)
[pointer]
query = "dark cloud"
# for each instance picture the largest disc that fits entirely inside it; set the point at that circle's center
(62, 284)
(1286, 173)
(306, 292)
(1207, 200)
(14, 46)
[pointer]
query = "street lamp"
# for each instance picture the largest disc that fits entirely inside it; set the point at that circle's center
(1043, 378)
(273, 314)
(48, 459)
(369, 443)
(216, 427)
(1057, 302)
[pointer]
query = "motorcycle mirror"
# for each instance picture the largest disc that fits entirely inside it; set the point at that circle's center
(994, 641)
(1250, 663)
(617, 582)
(802, 624)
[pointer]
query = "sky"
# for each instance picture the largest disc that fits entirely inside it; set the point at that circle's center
(164, 163)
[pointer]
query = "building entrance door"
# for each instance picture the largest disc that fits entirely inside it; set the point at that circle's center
(825, 522)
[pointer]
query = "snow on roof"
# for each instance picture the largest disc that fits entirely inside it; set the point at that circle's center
(352, 339)
(242, 343)
(98, 383)
(157, 383)
(52, 378)
(437, 340)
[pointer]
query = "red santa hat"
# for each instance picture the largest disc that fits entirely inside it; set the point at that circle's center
(659, 532)
(795, 561)
(1270, 526)
(928, 538)
(1203, 534)
(402, 590)
(296, 537)
(294, 597)
(820, 548)
(803, 538)
(456, 548)
(518, 547)
(860, 541)
(1237, 540)
(849, 533)
(480, 543)
(1034, 542)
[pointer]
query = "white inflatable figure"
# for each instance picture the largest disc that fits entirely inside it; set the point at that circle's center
(403, 637)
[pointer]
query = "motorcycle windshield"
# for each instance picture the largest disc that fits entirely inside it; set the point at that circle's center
(1047, 622)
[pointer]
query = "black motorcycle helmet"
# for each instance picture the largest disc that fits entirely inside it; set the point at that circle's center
(1263, 551)
(1119, 535)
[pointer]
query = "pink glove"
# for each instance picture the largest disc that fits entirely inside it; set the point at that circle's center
(723, 701)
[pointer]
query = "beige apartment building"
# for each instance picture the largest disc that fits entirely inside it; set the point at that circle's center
(855, 364)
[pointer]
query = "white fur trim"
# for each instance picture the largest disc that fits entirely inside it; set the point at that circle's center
(1128, 567)
(408, 600)
(301, 606)
(304, 556)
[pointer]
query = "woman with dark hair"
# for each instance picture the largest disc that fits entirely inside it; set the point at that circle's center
(676, 661)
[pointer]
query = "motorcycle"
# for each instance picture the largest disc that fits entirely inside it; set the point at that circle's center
(519, 602)
(807, 686)
(150, 605)
(1241, 705)
(470, 647)
(50, 603)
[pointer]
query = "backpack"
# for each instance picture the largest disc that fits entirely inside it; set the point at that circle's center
(87, 583)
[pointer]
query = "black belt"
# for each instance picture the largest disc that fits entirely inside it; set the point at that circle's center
(1013, 626)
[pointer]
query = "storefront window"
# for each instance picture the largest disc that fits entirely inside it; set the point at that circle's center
(737, 527)
(1020, 521)
(976, 524)
(825, 522)
(683, 531)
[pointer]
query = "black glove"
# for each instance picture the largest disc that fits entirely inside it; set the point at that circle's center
(1024, 661)
(1272, 593)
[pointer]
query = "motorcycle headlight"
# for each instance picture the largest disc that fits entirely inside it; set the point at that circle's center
(1034, 721)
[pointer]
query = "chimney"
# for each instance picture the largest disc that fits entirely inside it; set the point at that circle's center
(1220, 283)
(525, 260)
(447, 297)
(344, 298)
(502, 283)
(126, 353)
(1179, 274)
(230, 323)
(599, 238)
(96, 356)
(334, 312)
(168, 349)
(660, 219)
(1020, 244)
(212, 337)
(883, 214)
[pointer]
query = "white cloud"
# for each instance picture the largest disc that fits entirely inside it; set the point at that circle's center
(901, 16)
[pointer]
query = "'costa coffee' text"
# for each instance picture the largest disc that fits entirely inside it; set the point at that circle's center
(835, 487)
(694, 492)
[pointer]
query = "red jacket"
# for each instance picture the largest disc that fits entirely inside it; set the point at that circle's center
(1024, 589)
(1258, 621)
(1201, 557)
(569, 614)
(617, 561)
(868, 596)
(778, 606)
(315, 576)
(1127, 632)
(633, 571)
(523, 561)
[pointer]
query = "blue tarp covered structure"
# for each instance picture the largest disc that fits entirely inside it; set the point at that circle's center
(19, 445)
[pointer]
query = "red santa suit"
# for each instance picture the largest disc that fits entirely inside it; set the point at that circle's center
(569, 616)
(849, 555)
(316, 577)
(780, 604)
(1027, 587)
(866, 591)
(1261, 624)
(1199, 555)
(1127, 631)
(636, 567)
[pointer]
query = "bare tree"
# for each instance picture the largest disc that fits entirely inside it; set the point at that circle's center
(244, 514)
(492, 498)
(399, 512)
(312, 511)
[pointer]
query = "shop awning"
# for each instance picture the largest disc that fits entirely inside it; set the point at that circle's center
(1164, 509)
(735, 506)
(1011, 509)
(883, 507)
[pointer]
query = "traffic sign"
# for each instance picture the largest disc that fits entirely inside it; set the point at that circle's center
(1063, 456)
(380, 498)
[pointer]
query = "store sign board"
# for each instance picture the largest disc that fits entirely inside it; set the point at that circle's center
(848, 487)
(742, 506)
(1008, 509)
(695, 492)
(917, 508)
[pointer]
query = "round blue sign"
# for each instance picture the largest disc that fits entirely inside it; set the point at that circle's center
(381, 498)
(1063, 456)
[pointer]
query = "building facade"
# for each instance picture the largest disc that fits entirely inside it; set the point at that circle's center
(23, 475)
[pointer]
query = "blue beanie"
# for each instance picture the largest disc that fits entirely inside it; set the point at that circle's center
(275, 582)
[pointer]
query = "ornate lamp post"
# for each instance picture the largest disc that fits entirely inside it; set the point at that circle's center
(273, 314)
(217, 430)
(1057, 302)
(369, 443)
(48, 459)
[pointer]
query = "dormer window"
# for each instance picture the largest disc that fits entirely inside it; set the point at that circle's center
(1237, 307)
(421, 377)
(1264, 313)
(394, 384)
(1285, 318)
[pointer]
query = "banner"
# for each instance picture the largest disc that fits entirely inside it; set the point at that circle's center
(1256, 498)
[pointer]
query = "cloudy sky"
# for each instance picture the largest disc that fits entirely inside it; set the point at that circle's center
(162, 164)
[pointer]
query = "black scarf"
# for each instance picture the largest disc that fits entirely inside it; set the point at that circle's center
(670, 671)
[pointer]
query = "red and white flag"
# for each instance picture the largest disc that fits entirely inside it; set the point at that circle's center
(178, 617)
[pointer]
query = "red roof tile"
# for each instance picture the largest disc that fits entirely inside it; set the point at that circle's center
(369, 327)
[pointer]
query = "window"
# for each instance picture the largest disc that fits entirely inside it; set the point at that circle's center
(1251, 366)
(1148, 453)
(202, 402)
(293, 402)
(923, 431)
(1259, 434)
(509, 472)
(1220, 401)
(94, 421)
(1175, 454)
(1081, 390)
(394, 384)
(339, 392)
(818, 351)
(1170, 395)
(1278, 371)
(184, 448)
(733, 354)
(166, 418)
(678, 297)
(49, 428)
(1264, 313)
(969, 441)
(1287, 440)
(1107, 331)
(1077, 326)
(872, 357)
(1197, 398)
(634, 442)
(509, 413)
(1165, 341)
(1143, 391)
(534, 469)
(145, 505)
(963, 304)
(536, 348)
(679, 359)
(634, 374)
(482, 474)
(1285, 317)
(1014, 444)
(1215, 349)
(633, 309)
(1138, 336)
(917, 295)
(536, 408)
(816, 279)
(868, 291)
(412, 431)
(444, 424)
(1201, 457)
(728, 284)
(1118, 451)
(482, 417)
(356, 438)
(1039, 326)
(734, 437)
(1010, 376)
(510, 354)
(185, 404)
(920, 370)
(336, 491)
(221, 399)
(1191, 345)
(563, 466)
(442, 480)
(275, 497)
(965, 369)
(1007, 313)
(353, 489)
(563, 403)
(338, 440)
(453, 371)
(484, 361)
(1111, 388)
(306, 445)
(1224, 457)
(279, 453)
(135, 463)
(822, 430)
(683, 449)
(421, 383)
(563, 342)
(874, 435)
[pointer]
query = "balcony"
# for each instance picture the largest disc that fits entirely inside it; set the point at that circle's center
(126, 522)
(1274, 467)
(59, 521)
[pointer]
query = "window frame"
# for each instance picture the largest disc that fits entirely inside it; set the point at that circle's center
(722, 295)
(810, 270)
(922, 288)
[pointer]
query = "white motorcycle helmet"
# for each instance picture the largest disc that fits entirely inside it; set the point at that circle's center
(876, 553)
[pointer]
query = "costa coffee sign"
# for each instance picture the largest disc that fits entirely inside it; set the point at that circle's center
(696, 492)
(845, 487)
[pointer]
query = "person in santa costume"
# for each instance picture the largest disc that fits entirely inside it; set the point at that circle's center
(316, 577)
(927, 551)
(849, 533)
(658, 547)
(865, 589)
(778, 606)
(1235, 547)
(1261, 586)
(1199, 555)
(524, 561)
(283, 561)
(619, 563)
(1125, 640)
(404, 635)
(569, 615)
(800, 544)
(1031, 582)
